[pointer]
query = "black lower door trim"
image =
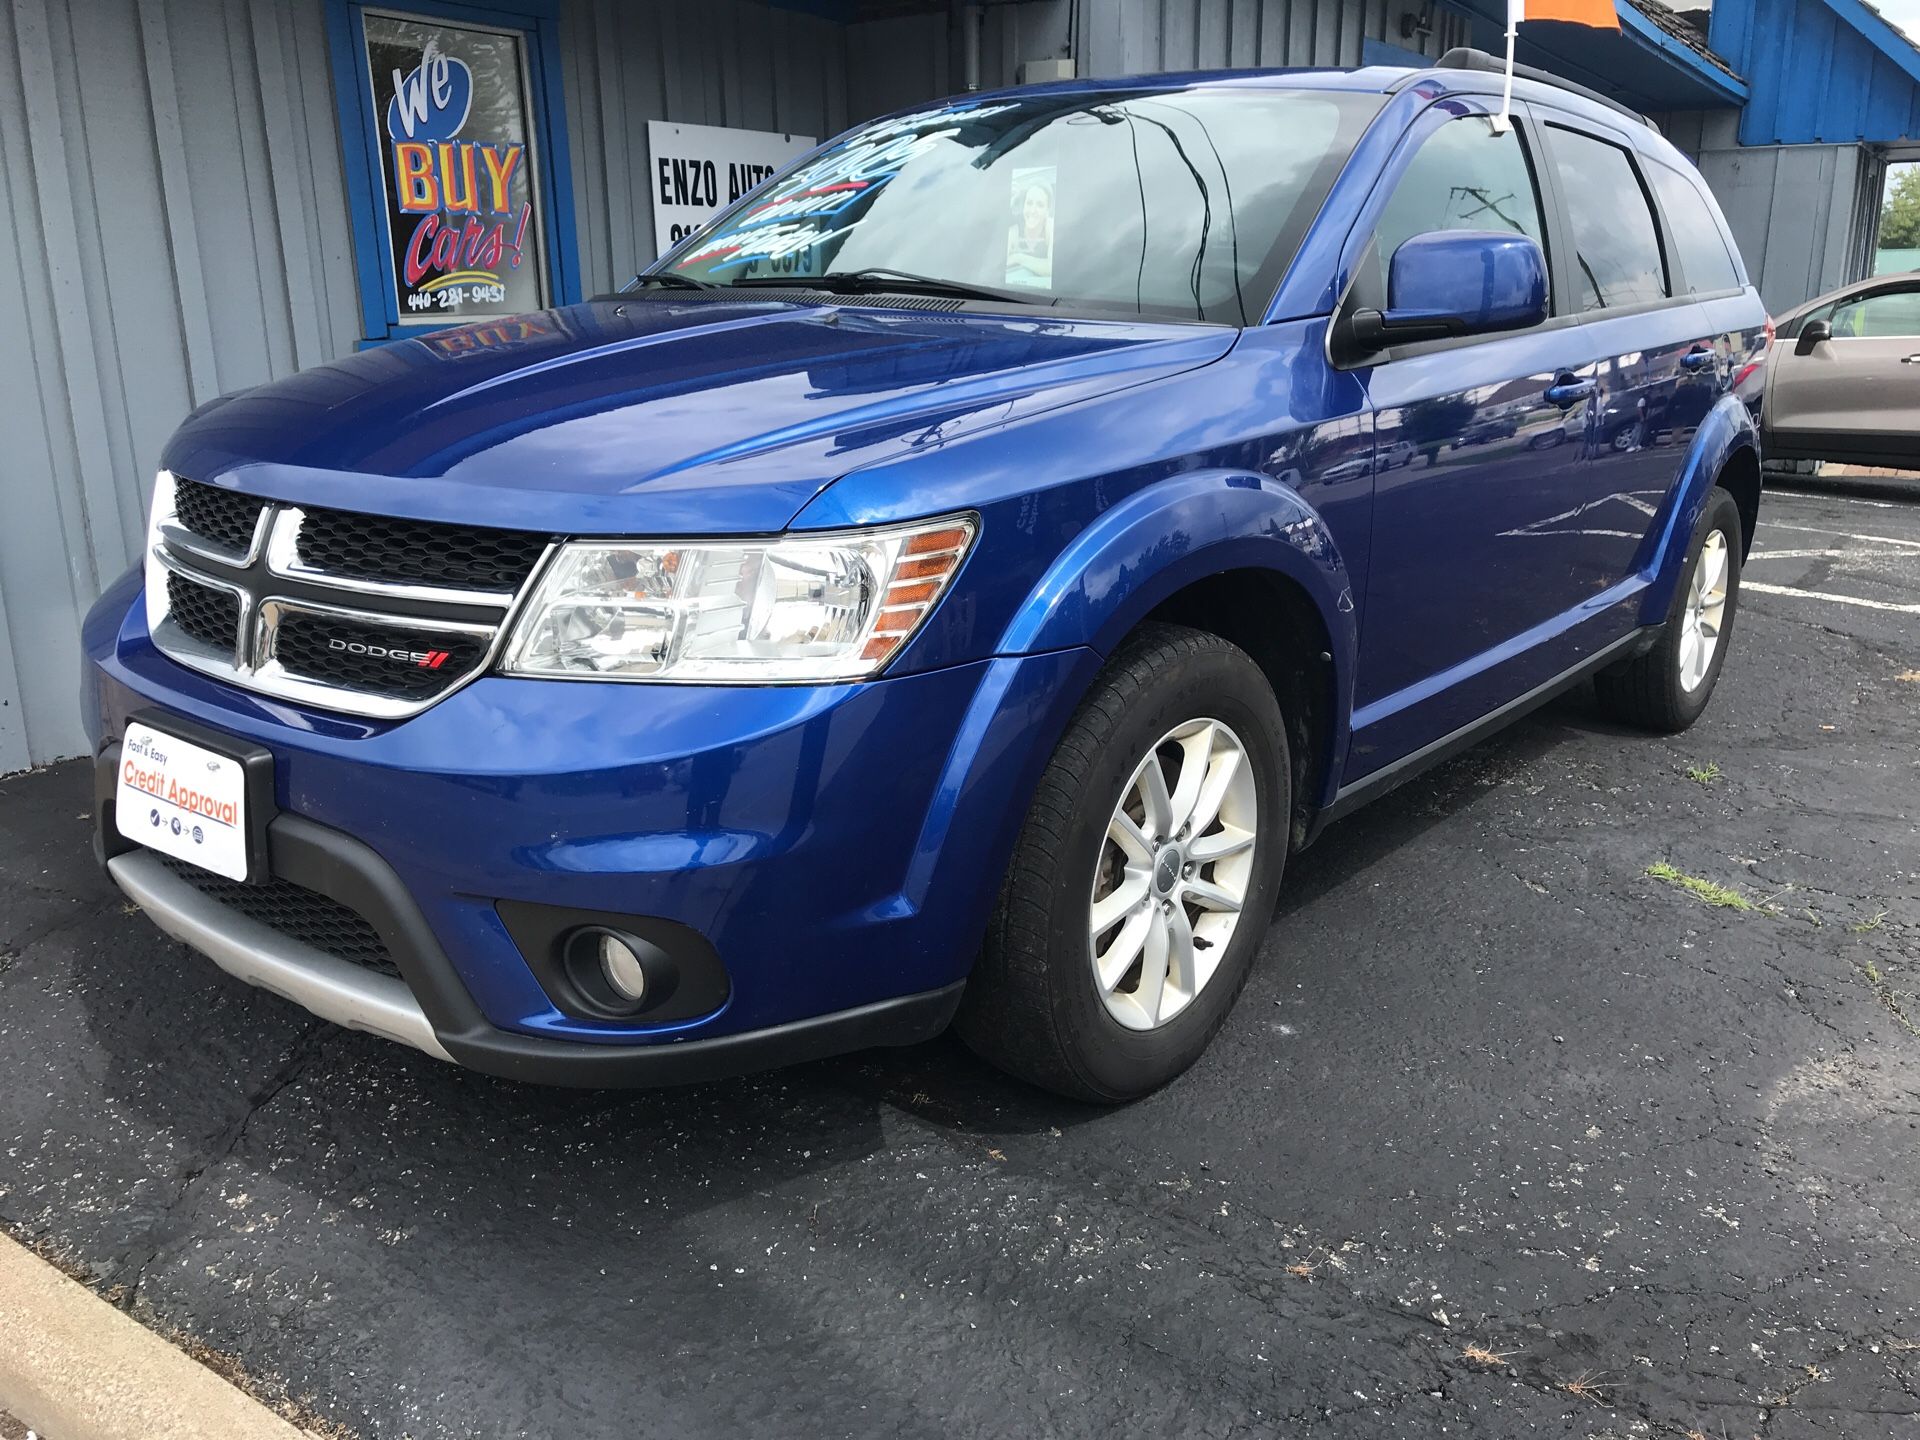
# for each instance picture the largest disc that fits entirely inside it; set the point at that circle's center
(1390, 777)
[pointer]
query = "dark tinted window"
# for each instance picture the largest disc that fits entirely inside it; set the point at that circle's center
(1189, 203)
(1465, 177)
(1616, 246)
(1695, 234)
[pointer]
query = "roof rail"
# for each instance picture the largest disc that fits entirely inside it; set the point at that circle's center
(1463, 57)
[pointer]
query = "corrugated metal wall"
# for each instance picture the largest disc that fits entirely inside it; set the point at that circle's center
(699, 62)
(174, 228)
(1803, 214)
(1122, 37)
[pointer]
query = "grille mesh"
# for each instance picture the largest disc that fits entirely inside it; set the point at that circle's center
(295, 912)
(210, 616)
(375, 547)
(221, 516)
(309, 646)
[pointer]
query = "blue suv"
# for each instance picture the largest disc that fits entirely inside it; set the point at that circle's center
(946, 589)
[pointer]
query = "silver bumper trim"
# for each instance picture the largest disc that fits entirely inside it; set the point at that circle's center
(332, 988)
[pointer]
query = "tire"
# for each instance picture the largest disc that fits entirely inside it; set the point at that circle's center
(1652, 690)
(1035, 1005)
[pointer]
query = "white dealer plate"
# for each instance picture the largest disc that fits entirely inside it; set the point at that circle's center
(182, 800)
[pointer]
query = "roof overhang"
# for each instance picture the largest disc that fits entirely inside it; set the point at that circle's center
(1650, 63)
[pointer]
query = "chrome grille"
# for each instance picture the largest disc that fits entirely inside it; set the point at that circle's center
(375, 547)
(357, 613)
(224, 517)
(356, 655)
(208, 615)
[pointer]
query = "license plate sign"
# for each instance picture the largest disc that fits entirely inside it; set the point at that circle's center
(182, 800)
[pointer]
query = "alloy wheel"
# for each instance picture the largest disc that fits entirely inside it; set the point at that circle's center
(1706, 612)
(1173, 874)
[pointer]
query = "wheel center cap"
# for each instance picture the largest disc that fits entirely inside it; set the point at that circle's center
(1166, 870)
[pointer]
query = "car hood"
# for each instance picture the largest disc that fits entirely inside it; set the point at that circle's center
(657, 415)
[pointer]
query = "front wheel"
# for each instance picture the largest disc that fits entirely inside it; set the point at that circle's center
(1668, 687)
(1144, 875)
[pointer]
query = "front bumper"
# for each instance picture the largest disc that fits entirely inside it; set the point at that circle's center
(837, 847)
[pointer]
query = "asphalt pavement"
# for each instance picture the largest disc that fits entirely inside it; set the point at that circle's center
(1507, 1136)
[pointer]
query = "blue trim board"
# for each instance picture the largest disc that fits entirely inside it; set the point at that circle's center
(539, 23)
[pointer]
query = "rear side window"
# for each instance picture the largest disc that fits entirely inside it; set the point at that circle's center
(1465, 177)
(1890, 313)
(1616, 245)
(1695, 233)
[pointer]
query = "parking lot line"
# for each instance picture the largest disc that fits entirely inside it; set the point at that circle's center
(1773, 495)
(1845, 534)
(1755, 585)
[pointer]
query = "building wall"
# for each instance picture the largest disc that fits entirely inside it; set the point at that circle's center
(699, 62)
(174, 228)
(1803, 214)
(1124, 37)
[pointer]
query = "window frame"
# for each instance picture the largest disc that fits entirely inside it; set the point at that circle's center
(1678, 266)
(538, 24)
(1552, 118)
(1364, 258)
(1866, 297)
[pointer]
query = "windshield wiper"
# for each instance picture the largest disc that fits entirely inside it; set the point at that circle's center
(667, 277)
(873, 278)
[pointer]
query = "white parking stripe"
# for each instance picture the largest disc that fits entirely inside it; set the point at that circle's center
(1773, 495)
(1834, 599)
(1824, 555)
(1844, 534)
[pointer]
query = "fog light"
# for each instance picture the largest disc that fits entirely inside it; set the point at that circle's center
(615, 973)
(621, 969)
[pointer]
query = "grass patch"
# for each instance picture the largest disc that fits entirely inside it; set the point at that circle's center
(1703, 890)
(1704, 774)
(1868, 926)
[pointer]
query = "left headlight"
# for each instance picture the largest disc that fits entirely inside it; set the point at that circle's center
(801, 608)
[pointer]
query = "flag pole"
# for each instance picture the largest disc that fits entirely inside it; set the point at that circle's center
(1501, 121)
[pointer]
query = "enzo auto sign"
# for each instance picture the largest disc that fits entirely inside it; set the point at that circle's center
(699, 170)
(451, 113)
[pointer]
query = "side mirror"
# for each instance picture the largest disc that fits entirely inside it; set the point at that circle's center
(1814, 332)
(1458, 282)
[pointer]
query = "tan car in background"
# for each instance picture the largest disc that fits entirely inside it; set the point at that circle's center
(1843, 377)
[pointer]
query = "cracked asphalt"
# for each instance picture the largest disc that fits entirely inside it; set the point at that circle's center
(1505, 1138)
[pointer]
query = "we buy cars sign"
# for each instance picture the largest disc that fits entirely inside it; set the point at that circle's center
(699, 170)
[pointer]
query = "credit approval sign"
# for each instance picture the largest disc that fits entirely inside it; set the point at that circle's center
(699, 170)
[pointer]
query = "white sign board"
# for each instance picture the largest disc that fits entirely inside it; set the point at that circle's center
(699, 170)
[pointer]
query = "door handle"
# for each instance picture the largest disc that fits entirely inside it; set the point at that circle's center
(1910, 359)
(1567, 390)
(1696, 359)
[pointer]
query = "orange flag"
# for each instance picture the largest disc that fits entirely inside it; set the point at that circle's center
(1598, 13)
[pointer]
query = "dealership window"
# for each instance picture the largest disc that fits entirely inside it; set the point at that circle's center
(452, 129)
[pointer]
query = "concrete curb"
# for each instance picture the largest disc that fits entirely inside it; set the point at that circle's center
(74, 1368)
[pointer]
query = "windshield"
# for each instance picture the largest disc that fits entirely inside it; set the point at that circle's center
(1188, 204)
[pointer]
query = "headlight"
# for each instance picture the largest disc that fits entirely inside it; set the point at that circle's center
(801, 608)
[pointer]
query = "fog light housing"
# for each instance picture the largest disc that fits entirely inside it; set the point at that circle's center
(617, 973)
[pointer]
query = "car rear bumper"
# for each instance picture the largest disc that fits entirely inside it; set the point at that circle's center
(822, 860)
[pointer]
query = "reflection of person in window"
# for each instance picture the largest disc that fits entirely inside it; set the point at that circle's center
(1030, 239)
